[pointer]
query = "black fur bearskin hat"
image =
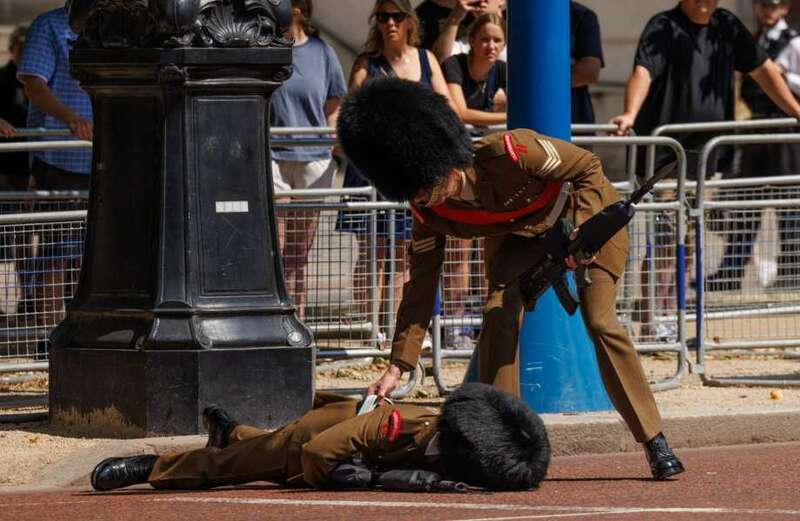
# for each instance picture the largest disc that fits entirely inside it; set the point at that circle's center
(492, 439)
(402, 136)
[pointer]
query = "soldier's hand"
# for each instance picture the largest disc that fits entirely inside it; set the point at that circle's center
(386, 384)
(570, 261)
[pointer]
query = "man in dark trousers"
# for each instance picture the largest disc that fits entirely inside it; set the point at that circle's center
(510, 188)
(481, 436)
(782, 44)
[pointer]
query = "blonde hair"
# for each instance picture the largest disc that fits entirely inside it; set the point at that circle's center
(486, 19)
(374, 43)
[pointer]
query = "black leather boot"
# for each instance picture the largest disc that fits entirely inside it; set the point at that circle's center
(114, 473)
(663, 462)
(219, 425)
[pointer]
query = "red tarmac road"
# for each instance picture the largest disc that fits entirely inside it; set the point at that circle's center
(751, 482)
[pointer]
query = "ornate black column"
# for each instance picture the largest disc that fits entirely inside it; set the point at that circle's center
(181, 301)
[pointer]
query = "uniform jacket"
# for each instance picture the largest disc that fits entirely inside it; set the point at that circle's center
(510, 171)
(388, 438)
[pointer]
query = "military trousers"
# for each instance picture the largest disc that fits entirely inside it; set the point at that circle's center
(507, 257)
(253, 454)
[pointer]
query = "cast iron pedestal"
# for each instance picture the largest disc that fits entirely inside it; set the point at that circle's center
(181, 301)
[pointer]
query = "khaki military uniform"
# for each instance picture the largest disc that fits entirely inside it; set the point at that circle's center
(511, 172)
(303, 452)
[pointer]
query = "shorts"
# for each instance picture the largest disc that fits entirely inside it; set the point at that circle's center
(298, 175)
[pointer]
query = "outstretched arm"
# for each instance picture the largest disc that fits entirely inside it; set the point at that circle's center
(635, 94)
(39, 94)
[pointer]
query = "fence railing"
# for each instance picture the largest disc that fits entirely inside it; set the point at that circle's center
(742, 317)
(351, 275)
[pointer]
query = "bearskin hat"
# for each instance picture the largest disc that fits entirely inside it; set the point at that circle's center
(492, 439)
(402, 136)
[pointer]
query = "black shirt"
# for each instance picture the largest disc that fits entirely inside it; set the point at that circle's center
(692, 69)
(14, 109)
(585, 43)
(478, 94)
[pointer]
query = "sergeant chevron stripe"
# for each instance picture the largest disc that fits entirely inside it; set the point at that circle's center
(553, 159)
(423, 245)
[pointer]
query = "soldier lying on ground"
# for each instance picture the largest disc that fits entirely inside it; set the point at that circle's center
(483, 437)
(411, 146)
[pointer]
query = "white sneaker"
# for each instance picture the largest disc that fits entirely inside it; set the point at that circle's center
(666, 332)
(460, 338)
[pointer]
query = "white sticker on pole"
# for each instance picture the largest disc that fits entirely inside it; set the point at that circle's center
(232, 207)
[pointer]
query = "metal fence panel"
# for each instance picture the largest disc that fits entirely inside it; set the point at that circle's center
(749, 261)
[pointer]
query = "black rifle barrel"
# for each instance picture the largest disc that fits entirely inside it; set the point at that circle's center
(648, 186)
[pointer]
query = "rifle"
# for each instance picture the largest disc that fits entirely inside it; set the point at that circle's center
(358, 476)
(592, 235)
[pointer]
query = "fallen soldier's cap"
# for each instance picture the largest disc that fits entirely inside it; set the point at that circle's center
(492, 439)
(402, 136)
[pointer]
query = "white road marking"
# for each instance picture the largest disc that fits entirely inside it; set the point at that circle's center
(482, 506)
(566, 511)
(382, 504)
(537, 516)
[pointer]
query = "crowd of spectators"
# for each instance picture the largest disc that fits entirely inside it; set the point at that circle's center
(683, 71)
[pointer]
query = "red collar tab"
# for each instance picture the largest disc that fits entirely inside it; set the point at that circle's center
(483, 217)
(510, 148)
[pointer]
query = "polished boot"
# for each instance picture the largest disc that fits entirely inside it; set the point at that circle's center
(114, 473)
(663, 462)
(219, 425)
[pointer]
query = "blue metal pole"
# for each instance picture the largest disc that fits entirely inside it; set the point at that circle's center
(558, 365)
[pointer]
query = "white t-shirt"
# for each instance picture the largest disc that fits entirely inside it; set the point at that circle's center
(789, 61)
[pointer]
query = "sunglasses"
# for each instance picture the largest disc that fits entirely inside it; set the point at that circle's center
(398, 17)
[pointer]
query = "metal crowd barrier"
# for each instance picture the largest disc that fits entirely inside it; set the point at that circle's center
(733, 316)
(350, 327)
(362, 334)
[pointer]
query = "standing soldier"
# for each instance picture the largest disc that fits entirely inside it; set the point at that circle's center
(412, 147)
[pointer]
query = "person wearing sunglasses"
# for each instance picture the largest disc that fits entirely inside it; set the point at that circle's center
(391, 50)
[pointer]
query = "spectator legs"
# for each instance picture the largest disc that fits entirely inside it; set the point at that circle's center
(789, 256)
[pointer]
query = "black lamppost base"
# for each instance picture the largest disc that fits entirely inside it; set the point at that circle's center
(181, 301)
(133, 394)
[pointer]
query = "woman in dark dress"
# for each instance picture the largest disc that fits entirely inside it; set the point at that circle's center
(477, 80)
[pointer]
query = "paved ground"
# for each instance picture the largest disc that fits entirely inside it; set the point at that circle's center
(695, 416)
(744, 482)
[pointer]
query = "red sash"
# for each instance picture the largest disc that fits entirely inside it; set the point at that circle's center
(479, 217)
